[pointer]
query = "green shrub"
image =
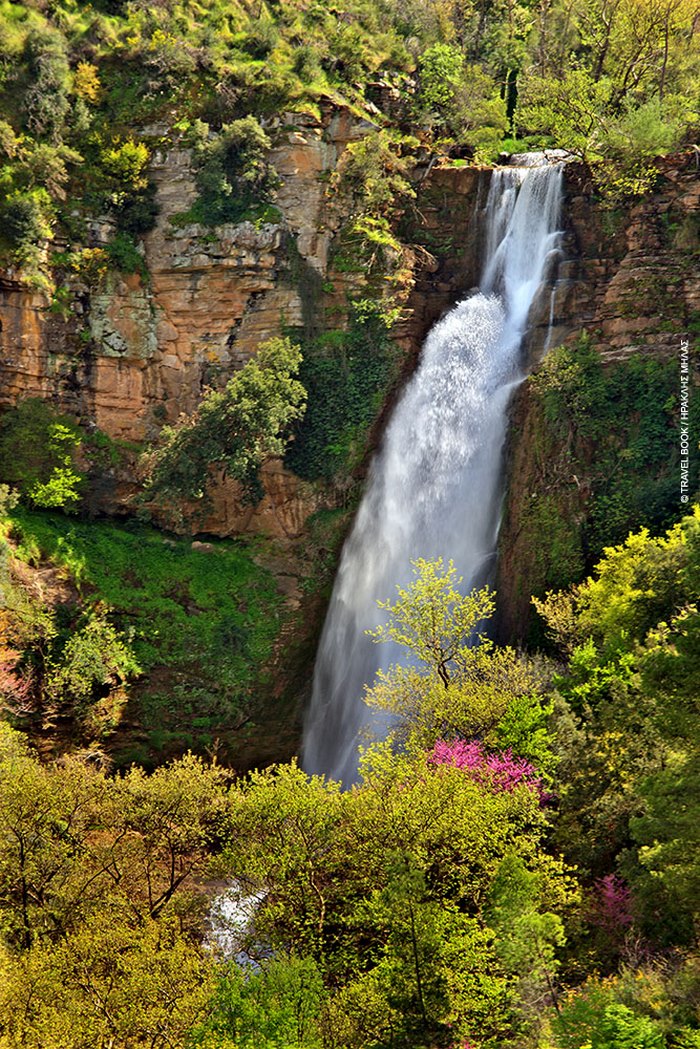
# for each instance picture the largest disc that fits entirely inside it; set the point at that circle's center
(95, 659)
(374, 173)
(199, 624)
(136, 212)
(124, 255)
(125, 164)
(129, 194)
(630, 144)
(440, 71)
(45, 101)
(234, 177)
(169, 60)
(239, 427)
(277, 1005)
(26, 220)
(261, 38)
(626, 411)
(38, 448)
(601, 1023)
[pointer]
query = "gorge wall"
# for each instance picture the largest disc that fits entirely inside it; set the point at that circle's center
(133, 354)
(595, 441)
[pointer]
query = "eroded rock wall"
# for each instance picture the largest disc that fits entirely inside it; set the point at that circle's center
(135, 354)
(631, 281)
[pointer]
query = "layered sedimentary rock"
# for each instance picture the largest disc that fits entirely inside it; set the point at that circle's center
(632, 283)
(132, 354)
(635, 280)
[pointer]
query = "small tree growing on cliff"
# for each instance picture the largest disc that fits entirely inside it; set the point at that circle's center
(237, 428)
(234, 177)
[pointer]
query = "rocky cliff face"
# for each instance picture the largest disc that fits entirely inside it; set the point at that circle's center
(631, 280)
(133, 354)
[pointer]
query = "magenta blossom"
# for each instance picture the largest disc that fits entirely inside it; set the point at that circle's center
(612, 904)
(499, 770)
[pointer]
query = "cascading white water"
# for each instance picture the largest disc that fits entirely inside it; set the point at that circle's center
(435, 486)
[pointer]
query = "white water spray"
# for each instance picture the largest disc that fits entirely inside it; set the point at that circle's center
(435, 487)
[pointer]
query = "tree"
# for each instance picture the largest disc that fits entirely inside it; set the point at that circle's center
(433, 620)
(27, 219)
(623, 95)
(438, 967)
(38, 448)
(237, 428)
(96, 658)
(529, 934)
(277, 1006)
(76, 844)
(46, 815)
(460, 100)
(457, 684)
(440, 69)
(166, 826)
(567, 106)
(630, 781)
(234, 177)
(636, 43)
(46, 103)
(107, 984)
(288, 832)
(386, 887)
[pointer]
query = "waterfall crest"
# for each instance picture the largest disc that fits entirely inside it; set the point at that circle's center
(435, 486)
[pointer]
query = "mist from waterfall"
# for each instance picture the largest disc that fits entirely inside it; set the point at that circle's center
(436, 484)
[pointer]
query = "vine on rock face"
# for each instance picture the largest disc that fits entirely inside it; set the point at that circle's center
(347, 375)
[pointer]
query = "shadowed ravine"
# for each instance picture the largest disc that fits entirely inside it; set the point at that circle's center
(436, 485)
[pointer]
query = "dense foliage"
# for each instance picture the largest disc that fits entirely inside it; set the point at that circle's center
(38, 450)
(83, 86)
(519, 869)
(237, 428)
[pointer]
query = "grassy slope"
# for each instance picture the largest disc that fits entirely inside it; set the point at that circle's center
(202, 623)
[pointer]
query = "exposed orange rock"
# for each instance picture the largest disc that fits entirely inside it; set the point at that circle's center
(133, 355)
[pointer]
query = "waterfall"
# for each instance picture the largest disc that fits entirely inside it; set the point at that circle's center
(435, 487)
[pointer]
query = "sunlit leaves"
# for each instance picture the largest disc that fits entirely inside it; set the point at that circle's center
(237, 428)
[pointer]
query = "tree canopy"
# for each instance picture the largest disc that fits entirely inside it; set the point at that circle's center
(237, 428)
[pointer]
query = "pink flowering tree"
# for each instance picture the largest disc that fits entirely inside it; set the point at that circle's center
(611, 906)
(498, 770)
